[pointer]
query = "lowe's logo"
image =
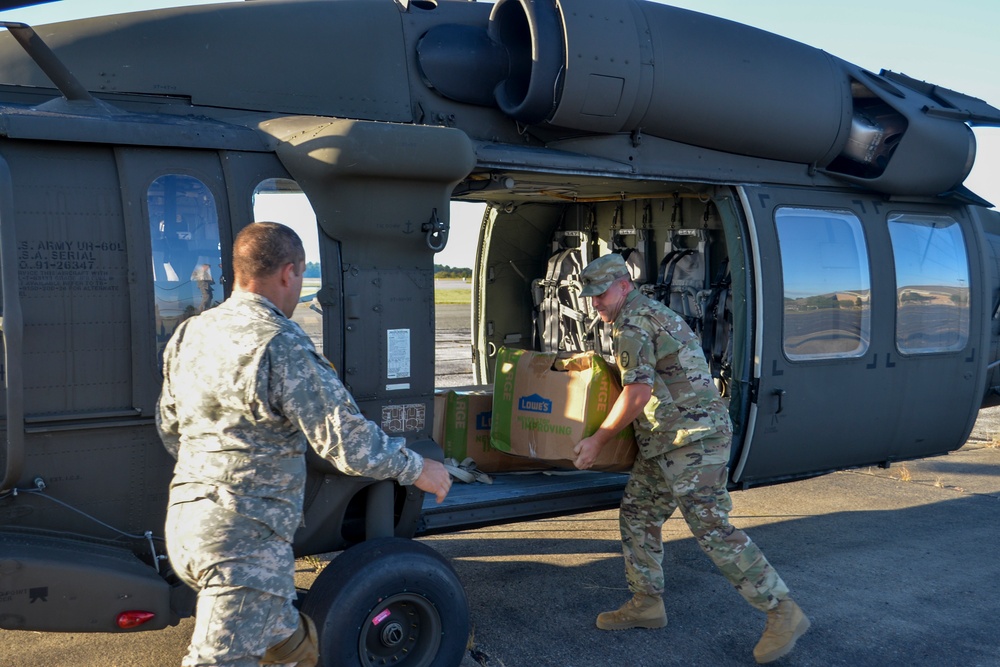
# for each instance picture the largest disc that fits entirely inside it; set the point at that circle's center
(483, 421)
(534, 403)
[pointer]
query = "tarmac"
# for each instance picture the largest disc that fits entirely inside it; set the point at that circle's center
(897, 566)
(893, 567)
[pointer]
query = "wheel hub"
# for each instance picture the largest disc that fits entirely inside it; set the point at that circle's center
(404, 629)
(392, 634)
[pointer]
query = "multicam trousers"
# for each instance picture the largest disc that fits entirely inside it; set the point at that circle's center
(243, 573)
(692, 478)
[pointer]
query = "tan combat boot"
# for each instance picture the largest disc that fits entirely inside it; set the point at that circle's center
(642, 611)
(785, 624)
(300, 649)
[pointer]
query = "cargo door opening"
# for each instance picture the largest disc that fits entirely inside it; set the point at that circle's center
(682, 246)
(536, 234)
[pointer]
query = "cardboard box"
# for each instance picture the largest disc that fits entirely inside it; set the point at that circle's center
(462, 418)
(543, 406)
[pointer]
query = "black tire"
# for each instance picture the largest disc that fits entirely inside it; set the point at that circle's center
(389, 601)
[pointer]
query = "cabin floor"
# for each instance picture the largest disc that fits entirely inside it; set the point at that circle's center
(511, 496)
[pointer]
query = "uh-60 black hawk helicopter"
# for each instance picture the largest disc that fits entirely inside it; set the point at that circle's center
(807, 216)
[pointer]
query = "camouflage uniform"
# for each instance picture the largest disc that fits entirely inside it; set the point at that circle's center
(684, 436)
(244, 394)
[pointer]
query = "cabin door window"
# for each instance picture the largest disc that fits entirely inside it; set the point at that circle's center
(932, 284)
(827, 284)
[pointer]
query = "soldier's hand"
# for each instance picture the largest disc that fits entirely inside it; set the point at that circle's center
(434, 479)
(586, 453)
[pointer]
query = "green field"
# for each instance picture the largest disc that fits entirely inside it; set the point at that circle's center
(446, 295)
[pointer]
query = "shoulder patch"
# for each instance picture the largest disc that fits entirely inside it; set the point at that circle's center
(628, 347)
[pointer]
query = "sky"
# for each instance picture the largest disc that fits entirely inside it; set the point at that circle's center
(954, 44)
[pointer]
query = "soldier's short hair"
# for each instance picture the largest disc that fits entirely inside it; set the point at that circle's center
(262, 248)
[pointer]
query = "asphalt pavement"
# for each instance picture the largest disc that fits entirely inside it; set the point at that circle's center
(894, 567)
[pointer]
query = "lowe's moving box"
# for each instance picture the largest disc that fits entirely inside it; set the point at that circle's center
(543, 406)
(462, 427)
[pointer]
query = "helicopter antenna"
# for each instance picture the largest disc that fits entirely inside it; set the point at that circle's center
(39, 51)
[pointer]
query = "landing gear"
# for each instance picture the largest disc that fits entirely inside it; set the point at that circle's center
(389, 601)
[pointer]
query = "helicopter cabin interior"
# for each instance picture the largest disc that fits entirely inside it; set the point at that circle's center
(812, 304)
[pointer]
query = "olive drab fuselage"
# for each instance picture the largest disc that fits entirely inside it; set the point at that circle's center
(806, 217)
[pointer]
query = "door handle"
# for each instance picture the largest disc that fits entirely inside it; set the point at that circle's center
(780, 394)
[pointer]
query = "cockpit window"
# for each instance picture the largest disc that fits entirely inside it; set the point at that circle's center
(932, 283)
(187, 256)
(827, 284)
(281, 200)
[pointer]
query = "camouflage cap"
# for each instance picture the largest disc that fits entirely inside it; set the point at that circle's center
(597, 276)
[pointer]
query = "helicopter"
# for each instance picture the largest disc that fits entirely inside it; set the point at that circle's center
(806, 216)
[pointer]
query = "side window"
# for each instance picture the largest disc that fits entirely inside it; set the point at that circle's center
(281, 200)
(932, 283)
(187, 256)
(824, 263)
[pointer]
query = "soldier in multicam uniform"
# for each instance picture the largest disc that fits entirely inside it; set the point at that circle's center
(244, 394)
(684, 434)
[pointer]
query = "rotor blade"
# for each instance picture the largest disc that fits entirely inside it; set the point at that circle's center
(17, 4)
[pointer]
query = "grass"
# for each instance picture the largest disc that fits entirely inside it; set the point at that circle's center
(314, 563)
(449, 296)
(441, 296)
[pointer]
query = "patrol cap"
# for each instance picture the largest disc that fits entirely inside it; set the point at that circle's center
(597, 276)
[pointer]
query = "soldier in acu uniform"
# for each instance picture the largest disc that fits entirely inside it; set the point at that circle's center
(202, 277)
(244, 394)
(684, 434)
